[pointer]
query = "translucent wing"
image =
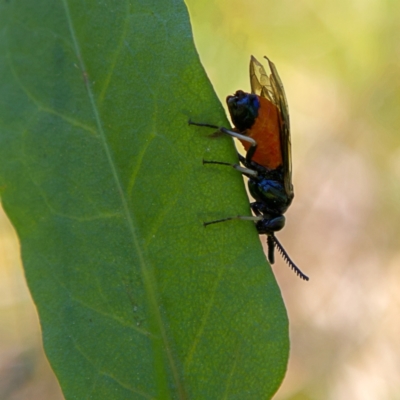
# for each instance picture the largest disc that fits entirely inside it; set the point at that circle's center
(271, 88)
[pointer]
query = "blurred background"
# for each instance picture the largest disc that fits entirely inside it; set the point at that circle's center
(340, 65)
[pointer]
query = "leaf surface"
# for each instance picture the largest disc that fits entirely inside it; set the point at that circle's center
(103, 180)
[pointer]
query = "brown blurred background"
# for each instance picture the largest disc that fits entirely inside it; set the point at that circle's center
(340, 64)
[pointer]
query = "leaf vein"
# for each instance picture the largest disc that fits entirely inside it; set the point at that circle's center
(148, 276)
(116, 54)
(107, 374)
(199, 334)
(42, 107)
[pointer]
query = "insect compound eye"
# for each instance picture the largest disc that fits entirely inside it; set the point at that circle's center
(249, 103)
(254, 102)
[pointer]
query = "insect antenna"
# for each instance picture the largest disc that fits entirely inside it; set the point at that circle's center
(286, 257)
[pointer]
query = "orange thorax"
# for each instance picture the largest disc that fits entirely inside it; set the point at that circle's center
(265, 131)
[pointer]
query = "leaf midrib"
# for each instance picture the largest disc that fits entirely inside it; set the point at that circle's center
(149, 279)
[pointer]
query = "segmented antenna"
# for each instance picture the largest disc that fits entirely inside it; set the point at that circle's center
(286, 257)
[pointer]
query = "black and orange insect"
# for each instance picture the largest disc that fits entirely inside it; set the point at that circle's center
(261, 123)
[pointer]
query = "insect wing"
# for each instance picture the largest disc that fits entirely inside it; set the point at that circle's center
(282, 104)
(260, 81)
(271, 87)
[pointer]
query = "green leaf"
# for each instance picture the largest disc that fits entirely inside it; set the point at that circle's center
(103, 180)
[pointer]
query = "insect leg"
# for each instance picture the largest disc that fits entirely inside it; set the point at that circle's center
(250, 173)
(242, 217)
(190, 122)
(270, 242)
(271, 248)
(240, 136)
(254, 208)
